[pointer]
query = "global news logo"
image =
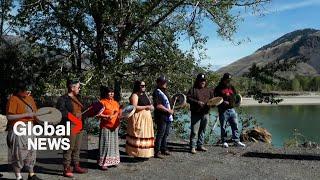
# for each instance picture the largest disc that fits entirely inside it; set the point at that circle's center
(47, 136)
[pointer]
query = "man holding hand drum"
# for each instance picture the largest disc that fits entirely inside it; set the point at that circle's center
(197, 97)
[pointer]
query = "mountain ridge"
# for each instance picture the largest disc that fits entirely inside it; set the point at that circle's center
(300, 43)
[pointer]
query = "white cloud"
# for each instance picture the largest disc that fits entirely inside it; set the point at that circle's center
(276, 8)
(296, 5)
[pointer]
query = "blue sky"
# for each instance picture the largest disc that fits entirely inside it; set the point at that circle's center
(281, 17)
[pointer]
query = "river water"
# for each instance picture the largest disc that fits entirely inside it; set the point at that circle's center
(280, 121)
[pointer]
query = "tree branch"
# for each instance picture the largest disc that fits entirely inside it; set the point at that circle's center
(154, 24)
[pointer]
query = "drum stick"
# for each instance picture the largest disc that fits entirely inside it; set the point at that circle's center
(86, 110)
(215, 125)
(174, 104)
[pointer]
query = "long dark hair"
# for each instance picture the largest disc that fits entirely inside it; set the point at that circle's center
(197, 82)
(136, 86)
(20, 86)
(104, 91)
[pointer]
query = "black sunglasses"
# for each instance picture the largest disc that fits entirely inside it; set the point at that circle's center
(142, 86)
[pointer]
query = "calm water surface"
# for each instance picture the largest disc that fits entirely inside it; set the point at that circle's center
(280, 121)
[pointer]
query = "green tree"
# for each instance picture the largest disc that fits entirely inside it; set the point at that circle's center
(295, 85)
(23, 61)
(110, 31)
(269, 74)
(315, 83)
(6, 16)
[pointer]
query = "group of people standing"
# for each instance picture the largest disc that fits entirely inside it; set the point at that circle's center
(141, 141)
(140, 138)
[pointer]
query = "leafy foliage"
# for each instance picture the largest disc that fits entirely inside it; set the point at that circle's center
(296, 139)
(269, 74)
(111, 41)
(110, 33)
(6, 16)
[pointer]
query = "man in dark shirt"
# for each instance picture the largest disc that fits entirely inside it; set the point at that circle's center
(70, 103)
(197, 97)
(163, 116)
(226, 110)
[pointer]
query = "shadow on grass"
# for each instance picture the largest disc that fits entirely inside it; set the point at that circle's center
(282, 156)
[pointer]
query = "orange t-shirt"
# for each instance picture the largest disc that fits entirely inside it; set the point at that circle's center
(112, 107)
(17, 106)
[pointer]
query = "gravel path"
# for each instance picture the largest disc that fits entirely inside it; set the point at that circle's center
(257, 161)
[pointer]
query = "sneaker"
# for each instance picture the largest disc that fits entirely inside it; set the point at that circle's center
(103, 168)
(193, 151)
(78, 169)
(225, 145)
(201, 148)
(34, 177)
(166, 153)
(158, 155)
(240, 144)
(68, 172)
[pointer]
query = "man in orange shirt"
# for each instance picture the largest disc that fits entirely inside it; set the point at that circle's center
(20, 107)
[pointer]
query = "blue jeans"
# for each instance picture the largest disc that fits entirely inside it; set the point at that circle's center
(163, 130)
(198, 129)
(230, 116)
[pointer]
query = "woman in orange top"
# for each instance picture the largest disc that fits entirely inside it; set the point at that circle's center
(108, 141)
(20, 107)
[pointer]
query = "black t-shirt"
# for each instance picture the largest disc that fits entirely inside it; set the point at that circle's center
(143, 100)
(227, 93)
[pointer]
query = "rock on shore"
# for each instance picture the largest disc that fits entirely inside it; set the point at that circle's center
(3, 123)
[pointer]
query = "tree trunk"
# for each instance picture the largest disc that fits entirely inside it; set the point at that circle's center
(117, 88)
(79, 54)
(5, 85)
(99, 42)
(2, 18)
(73, 52)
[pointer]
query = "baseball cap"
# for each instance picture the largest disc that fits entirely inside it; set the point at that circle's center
(161, 79)
(201, 77)
(227, 76)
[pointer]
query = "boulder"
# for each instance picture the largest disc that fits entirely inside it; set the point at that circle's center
(310, 144)
(256, 134)
(3, 123)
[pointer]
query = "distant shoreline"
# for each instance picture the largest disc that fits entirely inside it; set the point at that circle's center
(287, 100)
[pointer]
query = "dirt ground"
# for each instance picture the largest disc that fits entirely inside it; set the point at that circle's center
(256, 161)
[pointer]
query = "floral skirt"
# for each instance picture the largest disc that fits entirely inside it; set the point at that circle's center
(18, 153)
(109, 147)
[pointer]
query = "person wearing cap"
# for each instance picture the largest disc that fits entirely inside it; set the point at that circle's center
(71, 103)
(226, 110)
(197, 97)
(163, 115)
(21, 107)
